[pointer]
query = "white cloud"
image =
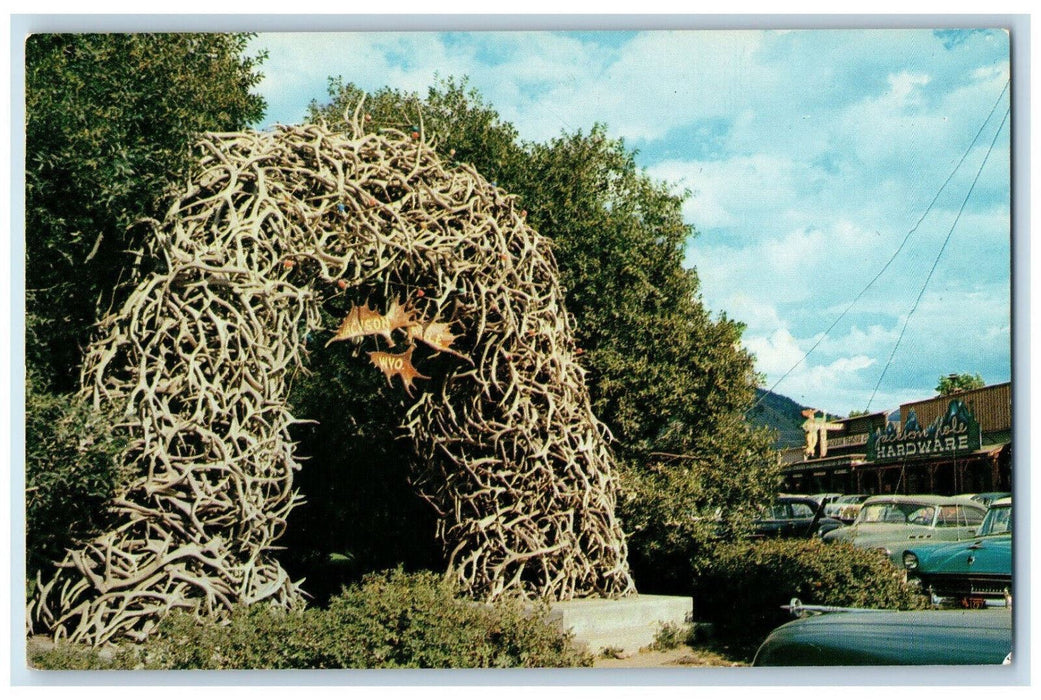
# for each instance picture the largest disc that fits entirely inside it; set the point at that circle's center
(673, 78)
(876, 340)
(904, 89)
(806, 379)
(299, 65)
(757, 314)
(775, 354)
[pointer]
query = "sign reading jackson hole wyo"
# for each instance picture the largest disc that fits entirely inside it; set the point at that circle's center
(955, 432)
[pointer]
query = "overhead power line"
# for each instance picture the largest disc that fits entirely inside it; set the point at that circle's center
(903, 243)
(936, 261)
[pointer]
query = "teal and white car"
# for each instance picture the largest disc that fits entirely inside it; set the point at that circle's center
(973, 573)
(897, 522)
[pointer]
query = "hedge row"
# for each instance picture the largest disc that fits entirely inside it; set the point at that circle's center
(390, 620)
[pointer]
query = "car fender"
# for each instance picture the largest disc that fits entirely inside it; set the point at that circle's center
(891, 638)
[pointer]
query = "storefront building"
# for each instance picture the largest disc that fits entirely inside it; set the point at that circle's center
(960, 443)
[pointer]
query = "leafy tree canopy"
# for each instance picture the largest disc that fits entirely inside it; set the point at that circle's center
(953, 383)
(110, 120)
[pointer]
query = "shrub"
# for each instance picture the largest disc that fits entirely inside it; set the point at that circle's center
(76, 657)
(390, 620)
(742, 587)
(395, 620)
(670, 635)
(258, 636)
(71, 470)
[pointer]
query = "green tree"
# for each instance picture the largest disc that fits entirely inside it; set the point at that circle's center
(669, 380)
(463, 127)
(953, 383)
(110, 121)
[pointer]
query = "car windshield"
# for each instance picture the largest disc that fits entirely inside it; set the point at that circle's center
(899, 513)
(998, 521)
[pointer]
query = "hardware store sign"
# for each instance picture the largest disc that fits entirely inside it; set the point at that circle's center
(954, 433)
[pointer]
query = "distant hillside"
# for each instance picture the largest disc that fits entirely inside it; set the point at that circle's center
(780, 413)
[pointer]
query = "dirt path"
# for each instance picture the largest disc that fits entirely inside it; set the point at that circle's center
(680, 656)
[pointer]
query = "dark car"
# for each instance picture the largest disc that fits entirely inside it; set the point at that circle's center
(794, 516)
(891, 638)
(971, 573)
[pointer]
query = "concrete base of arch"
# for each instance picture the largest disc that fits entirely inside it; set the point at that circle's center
(625, 625)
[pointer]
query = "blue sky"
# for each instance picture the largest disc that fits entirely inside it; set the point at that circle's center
(809, 156)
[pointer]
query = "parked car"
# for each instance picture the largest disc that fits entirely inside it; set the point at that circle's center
(892, 523)
(793, 516)
(972, 573)
(891, 637)
(845, 508)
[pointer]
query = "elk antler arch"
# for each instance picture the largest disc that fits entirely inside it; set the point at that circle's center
(198, 359)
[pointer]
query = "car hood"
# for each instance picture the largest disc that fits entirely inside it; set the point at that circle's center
(897, 638)
(984, 555)
(923, 550)
(839, 534)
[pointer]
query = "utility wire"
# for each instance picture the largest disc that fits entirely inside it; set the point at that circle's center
(896, 253)
(936, 262)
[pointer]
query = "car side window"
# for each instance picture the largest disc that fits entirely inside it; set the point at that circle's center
(922, 516)
(970, 517)
(778, 511)
(874, 513)
(948, 517)
(801, 510)
(1000, 521)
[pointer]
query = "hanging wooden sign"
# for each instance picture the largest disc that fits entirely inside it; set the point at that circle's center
(397, 364)
(362, 320)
